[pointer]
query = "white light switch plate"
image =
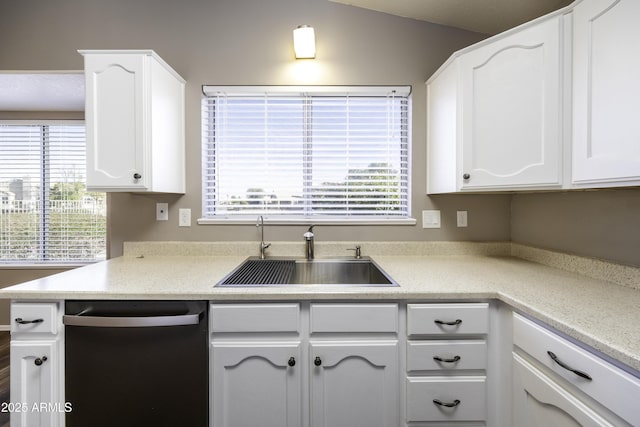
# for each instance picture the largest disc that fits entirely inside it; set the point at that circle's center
(431, 219)
(184, 217)
(462, 218)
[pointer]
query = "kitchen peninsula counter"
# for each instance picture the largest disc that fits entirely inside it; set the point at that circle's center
(602, 314)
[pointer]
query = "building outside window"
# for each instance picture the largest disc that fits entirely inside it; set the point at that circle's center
(313, 153)
(46, 214)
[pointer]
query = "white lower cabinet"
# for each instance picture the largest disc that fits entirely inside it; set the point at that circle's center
(558, 383)
(539, 401)
(333, 365)
(303, 364)
(34, 390)
(36, 366)
(256, 384)
(354, 384)
(447, 364)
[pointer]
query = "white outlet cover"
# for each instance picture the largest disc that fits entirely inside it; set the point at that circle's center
(431, 219)
(162, 211)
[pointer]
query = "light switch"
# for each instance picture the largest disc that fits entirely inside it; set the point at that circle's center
(431, 219)
(184, 217)
(462, 218)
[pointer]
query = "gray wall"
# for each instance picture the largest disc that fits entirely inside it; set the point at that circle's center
(245, 42)
(601, 224)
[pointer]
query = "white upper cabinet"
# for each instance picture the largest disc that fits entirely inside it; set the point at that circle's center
(511, 98)
(606, 93)
(495, 114)
(552, 104)
(135, 122)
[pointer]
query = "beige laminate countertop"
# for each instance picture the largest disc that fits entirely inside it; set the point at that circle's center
(598, 313)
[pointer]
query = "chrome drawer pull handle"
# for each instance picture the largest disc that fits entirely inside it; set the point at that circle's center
(26, 322)
(454, 323)
(440, 359)
(40, 360)
(567, 367)
(448, 405)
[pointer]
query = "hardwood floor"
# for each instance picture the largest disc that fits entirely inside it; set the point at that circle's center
(4, 375)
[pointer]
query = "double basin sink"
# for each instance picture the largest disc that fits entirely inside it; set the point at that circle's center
(288, 271)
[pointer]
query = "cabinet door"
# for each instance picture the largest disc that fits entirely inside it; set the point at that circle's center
(254, 384)
(538, 401)
(606, 92)
(354, 384)
(512, 104)
(34, 384)
(115, 117)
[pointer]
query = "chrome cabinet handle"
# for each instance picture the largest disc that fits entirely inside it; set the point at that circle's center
(26, 322)
(466, 176)
(454, 323)
(40, 360)
(440, 359)
(447, 404)
(317, 361)
(567, 367)
(137, 176)
(292, 361)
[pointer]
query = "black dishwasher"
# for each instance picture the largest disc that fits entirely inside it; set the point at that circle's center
(136, 363)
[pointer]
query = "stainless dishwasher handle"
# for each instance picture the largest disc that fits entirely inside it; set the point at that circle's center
(131, 322)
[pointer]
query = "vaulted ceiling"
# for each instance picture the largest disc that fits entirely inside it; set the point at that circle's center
(483, 16)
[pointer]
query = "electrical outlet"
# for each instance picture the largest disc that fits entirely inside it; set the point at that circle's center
(162, 211)
(462, 218)
(431, 219)
(184, 217)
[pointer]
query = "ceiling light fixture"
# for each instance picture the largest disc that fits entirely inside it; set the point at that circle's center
(304, 42)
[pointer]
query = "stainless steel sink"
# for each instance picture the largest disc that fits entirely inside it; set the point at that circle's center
(281, 272)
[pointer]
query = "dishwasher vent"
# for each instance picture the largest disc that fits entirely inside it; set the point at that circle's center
(259, 272)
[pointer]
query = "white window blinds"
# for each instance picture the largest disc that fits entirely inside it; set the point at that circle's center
(312, 152)
(46, 214)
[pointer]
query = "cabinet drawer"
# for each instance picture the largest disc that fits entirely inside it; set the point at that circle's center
(255, 318)
(455, 355)
(468, 392)
(42, 318)
(612, 387)
(354, 318)
(447, 319)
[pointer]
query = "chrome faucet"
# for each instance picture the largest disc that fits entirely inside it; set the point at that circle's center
(308, 237)
(263, 245)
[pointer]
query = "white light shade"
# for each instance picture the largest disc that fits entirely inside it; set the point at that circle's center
(304, 42)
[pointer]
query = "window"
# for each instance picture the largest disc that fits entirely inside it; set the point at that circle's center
(306, 153)
(46, 214)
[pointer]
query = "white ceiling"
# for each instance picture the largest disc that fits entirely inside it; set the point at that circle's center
(483, 16)
(41, 91)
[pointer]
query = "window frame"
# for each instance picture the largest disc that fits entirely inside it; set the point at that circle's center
(43, 262)
(282, 219)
